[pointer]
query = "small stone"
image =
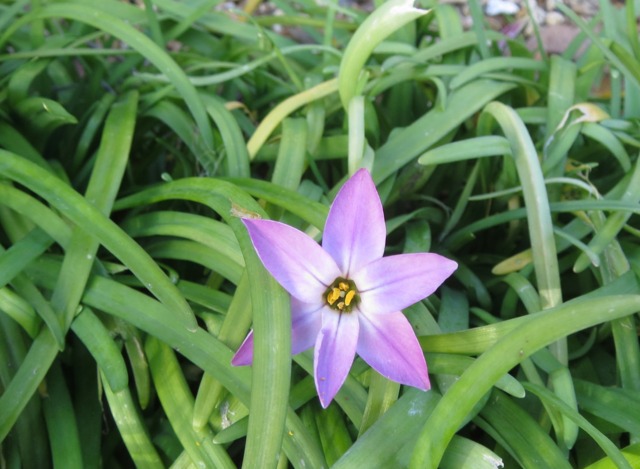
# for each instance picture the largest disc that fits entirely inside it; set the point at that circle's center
(553, 18)
(501, 7)
(584, 7)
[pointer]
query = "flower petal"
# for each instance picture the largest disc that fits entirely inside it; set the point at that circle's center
(244, 355)
(334, 353)
(395, 282)
(306, 321)
(296, 261)
(355, 232)
(388, 343)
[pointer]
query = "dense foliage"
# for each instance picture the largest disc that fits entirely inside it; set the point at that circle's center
(134, 136)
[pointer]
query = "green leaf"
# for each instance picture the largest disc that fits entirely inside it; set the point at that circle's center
(61, 423)
(131, 427)
(521, 435)
(385, 20)
(44, 115)
(536, 332)
(407, 143)
(618, 406)
(146, 47)
(104, 350)
(177, 402)
(89, 218)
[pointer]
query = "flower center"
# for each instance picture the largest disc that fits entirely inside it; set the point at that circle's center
(342, 295)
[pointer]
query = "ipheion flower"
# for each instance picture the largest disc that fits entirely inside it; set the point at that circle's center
(345, 297)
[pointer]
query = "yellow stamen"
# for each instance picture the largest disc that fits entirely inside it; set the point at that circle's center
(341, 295)
(333, 295)
(349, 297)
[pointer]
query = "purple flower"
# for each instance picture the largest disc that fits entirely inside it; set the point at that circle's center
(345, 297)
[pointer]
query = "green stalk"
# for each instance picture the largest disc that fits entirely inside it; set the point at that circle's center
(535, 197)
(538, 331)
(543, 246)
(380, 24)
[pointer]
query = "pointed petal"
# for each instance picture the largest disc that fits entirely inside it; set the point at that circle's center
(244, 355)
(296, 261)
(388, 343)
(396, 282)
(306, 321)
(334, 353)
(355, 232)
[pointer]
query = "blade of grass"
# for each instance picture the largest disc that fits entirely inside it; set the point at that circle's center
(620, 59)
(200, 347)
(13, 261)
(14, 306)
(235, 150)
(333, 433)
(271, 314)
(190, 251)
(145, 46)
(22, 387)
(521, 435)
(440, 363)
(560, 96)
(615, 222)
(388, 441)
(232, 332)
(383, 393)
(605, 443)
(28, 437)
(104, 350)
(479, 28)
(86, 216)
(494, 64)
(111, 161)
(314, 213)
(154, 25)
(290, 163)
(608, 139)
(406, 144)
(541, 236)
(614, 405)
(538, 331)
(282, 110)
(535, 197)
(386, 19)
(61, 423)
(131, 427)
(177, 402)
(48, 221)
